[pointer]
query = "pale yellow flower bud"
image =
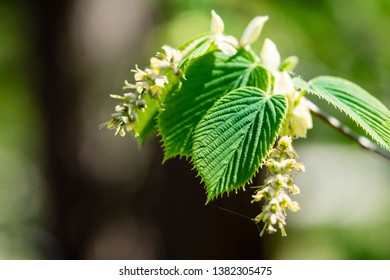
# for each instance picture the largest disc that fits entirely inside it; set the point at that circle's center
(141, 86)
(121, 131)
(172, 55)
(270, 56)
(271, 229)
(257, 197)
(160, 82)
(253, 30)
(290, 164)
(140, 75)
(301, 119)
(117, 96)
(217, 25)
(273, 165)
(284, 85)
(158, 64)
(111, 124)
(273, 219)
(119, 108)
(293, 206)
(294, 189)
(289, 63)
(225, 47)
(285, 143)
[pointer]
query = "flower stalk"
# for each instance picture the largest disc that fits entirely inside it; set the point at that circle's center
(278, 187)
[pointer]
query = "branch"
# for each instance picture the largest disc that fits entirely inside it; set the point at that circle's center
(363, 141)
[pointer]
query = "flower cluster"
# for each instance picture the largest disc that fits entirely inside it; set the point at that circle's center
(278, 187)
(229, 44)
(148, 83)
(226, 44)
(299, 118)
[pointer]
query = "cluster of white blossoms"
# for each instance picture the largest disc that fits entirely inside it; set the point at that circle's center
(148, 82)
(298, 117)
(278, 187)
(152, 80)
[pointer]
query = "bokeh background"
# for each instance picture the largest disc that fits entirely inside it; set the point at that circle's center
(71, 191)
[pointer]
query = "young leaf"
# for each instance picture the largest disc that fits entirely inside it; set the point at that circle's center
(363, 108)
(196, 48)
(301, 84)
(235, 136)
(207, 79)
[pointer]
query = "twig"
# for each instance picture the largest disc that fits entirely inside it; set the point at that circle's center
(363, 141)
(231, 212)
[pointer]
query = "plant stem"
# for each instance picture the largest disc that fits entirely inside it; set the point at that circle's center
(363, 141)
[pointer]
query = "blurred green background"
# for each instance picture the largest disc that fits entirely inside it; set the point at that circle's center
(71, 191)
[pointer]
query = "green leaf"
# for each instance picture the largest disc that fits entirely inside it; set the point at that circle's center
(363, 108)
(235, 136)
(147, 121)
(195, 48)
(207, 79)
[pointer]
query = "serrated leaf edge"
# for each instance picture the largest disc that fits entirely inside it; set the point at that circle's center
(250, 180)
